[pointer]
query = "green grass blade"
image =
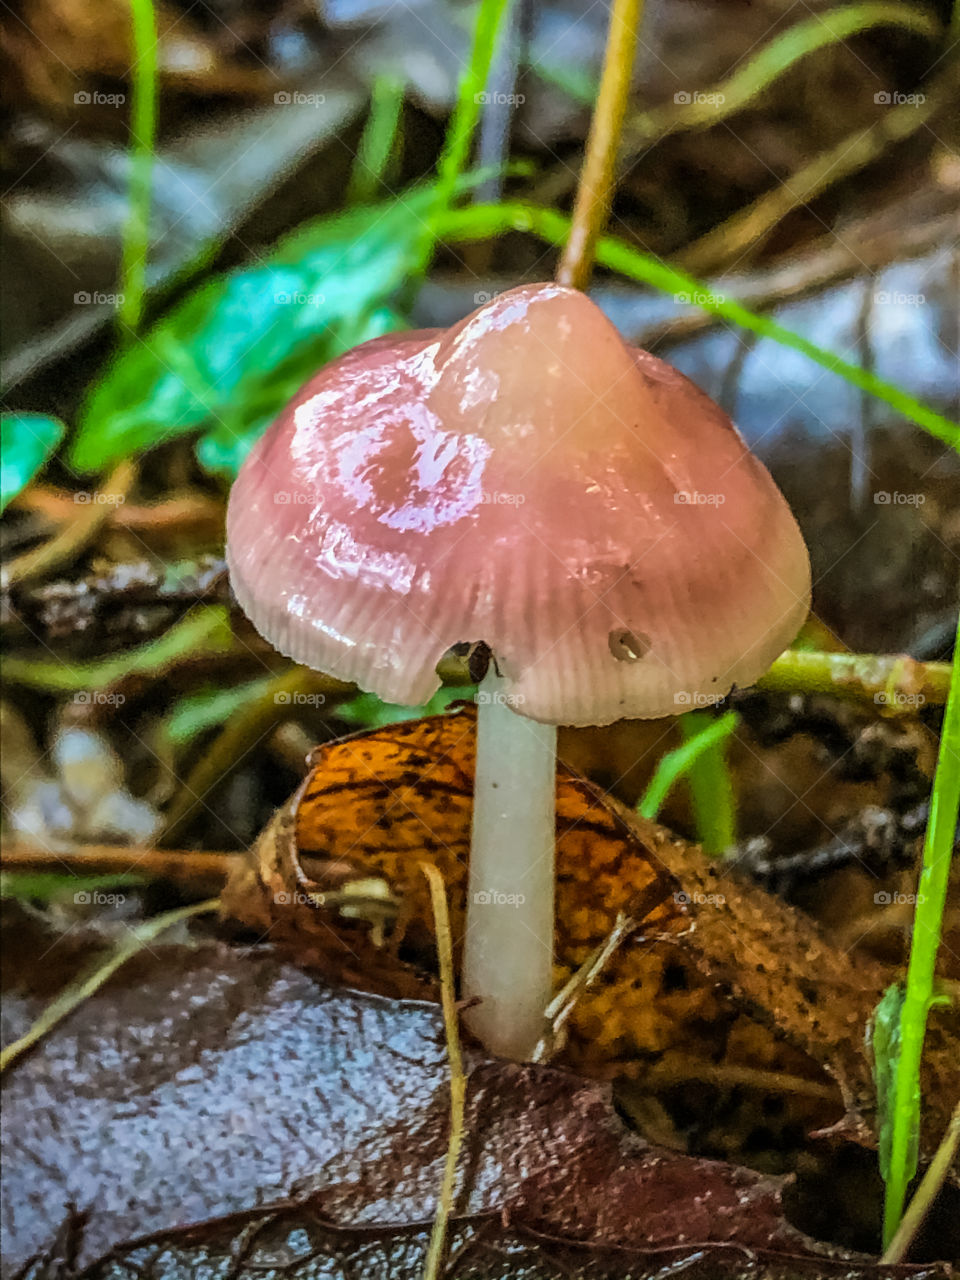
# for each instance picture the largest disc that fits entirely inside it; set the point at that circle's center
(678, 763)
(378, 140)
(738, 90)
(143, 128)
(730, 95)
(203, 632)
(466, 113)
(709, 780)
(927, 922)
(481, 222)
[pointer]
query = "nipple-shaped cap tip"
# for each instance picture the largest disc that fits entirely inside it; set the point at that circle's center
(527, 479)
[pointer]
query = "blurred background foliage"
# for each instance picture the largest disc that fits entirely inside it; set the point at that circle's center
(801, 164)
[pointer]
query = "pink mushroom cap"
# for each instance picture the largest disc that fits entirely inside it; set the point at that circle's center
(528, 479)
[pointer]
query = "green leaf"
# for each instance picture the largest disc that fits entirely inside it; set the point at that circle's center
(226, 359)
(378, 142)
(886, 1041)
(226, 444)
(904, 1098)
(26, 441)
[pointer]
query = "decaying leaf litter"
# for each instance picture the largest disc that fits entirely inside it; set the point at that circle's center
(732, 1029)
(253, 1051)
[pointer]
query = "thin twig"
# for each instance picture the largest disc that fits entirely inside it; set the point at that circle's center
(458, 1081)
(93, 510)
(894, 684)
(77, 992)
(748, 228)
(184, 867)
(595, 191)
(669, 1074)
(926, 1193)
(189, 514)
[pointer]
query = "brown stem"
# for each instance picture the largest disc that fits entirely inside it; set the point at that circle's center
(186, 514)
(93, 509)
(748, 228)
(595, 192)
(201, 872)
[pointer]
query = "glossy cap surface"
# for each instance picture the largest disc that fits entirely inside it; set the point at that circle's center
(527, 479)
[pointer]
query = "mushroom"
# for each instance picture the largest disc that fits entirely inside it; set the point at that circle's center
(529, 480)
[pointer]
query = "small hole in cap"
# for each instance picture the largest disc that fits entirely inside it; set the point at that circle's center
(629, 646)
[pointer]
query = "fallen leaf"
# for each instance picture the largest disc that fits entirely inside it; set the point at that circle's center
(210, 1103)
(376, 804)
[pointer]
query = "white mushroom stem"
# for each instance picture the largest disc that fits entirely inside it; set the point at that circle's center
(508, 949)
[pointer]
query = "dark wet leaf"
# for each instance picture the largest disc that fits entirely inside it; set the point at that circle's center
(27, 441)
(205, 1083)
